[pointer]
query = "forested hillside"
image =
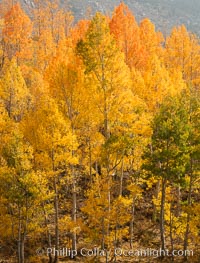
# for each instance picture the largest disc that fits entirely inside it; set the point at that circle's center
(99, 138)
(165, 14)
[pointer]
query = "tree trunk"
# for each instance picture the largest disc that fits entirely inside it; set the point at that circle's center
(90, 161)
(48, 234)
(171, 232)
(18, 250)
(56, 209)
(162, 214)
(22, 250)
(188, 214)
(107, 256)
(74, 209)
(103, 235)
(74, 194)
(131, 223)
(106, 126)
(56, 220)
(121, 178)
(109, 207)
(19, 237)
(154, 216)
(178, 212)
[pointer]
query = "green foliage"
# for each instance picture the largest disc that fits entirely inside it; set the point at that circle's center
(169, 151)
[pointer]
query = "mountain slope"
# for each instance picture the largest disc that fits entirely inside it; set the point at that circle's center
(164, 13)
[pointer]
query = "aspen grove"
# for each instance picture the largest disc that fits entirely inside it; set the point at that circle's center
(99, 136)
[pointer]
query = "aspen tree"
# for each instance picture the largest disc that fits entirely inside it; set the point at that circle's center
(108, 80)
(168, 155)
(13, 91)
(126, 32)
(17, 35)
(182, 53)
(22, 190)
(52, 140)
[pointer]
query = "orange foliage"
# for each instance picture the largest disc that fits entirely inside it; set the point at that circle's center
(17, 34)
(126, 32)
(183, 54)
(150, 40)
(78, 32)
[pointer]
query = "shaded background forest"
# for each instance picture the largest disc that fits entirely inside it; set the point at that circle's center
(99, 132)
(164, 14)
